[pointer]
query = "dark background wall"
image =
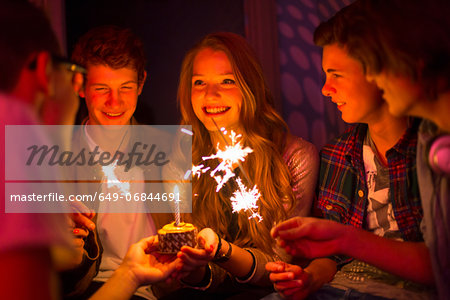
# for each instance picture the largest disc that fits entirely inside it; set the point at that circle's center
(168, 29)
(281, 32)
(308, 113)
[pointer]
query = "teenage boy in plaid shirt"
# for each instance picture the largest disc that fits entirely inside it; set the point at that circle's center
(368, 181)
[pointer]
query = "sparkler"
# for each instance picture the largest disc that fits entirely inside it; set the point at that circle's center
(233, 154)
(226, 143)
(112, 179)
(243, 198)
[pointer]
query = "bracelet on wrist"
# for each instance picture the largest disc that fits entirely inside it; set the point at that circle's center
(251, 273)
(204, 284)
(219, 246)
(221, 258)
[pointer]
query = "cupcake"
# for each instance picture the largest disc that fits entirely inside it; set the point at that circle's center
(172, 237)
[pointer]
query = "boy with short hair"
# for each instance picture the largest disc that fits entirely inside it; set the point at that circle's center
(115, 62)
(367, 181)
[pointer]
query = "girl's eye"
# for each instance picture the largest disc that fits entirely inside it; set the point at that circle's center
(198, 82)
(127, 88)
(334, 75)
(229, 81)
(100, 89)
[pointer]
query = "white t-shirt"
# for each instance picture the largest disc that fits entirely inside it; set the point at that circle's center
(380, 214)
(118, 231)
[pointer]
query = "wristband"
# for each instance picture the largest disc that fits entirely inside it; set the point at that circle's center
(251, 273)
(221, 258)
(204, 284)
(219, 246)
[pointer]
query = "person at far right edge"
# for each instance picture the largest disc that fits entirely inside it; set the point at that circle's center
(369, 184)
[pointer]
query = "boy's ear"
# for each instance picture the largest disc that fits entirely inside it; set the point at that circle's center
(81, 93)
(43, 71)
(141, 84)
(80, 87)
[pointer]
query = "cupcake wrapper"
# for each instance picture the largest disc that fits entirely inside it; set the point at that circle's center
(171, 242)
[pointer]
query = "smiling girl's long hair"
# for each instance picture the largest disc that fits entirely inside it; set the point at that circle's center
(263, 130)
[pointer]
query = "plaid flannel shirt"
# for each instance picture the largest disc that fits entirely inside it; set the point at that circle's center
(342, 188)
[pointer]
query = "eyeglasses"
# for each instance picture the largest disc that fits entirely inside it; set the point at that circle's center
(75, 69)
(77, 80)
(68, 64)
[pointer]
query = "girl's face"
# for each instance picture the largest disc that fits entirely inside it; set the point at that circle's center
(214, 92)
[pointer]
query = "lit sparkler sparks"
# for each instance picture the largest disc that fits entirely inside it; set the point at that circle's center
(199, 170)
(232, 155)
(112, 179)
(243, 199)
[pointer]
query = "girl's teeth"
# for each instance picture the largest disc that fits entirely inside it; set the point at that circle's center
(215, 110)
(113, 115)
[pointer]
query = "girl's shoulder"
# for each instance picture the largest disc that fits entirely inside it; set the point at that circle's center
(298, 146)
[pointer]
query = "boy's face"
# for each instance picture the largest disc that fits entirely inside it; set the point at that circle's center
(359, 100)
(402, 94)
(111, 94)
